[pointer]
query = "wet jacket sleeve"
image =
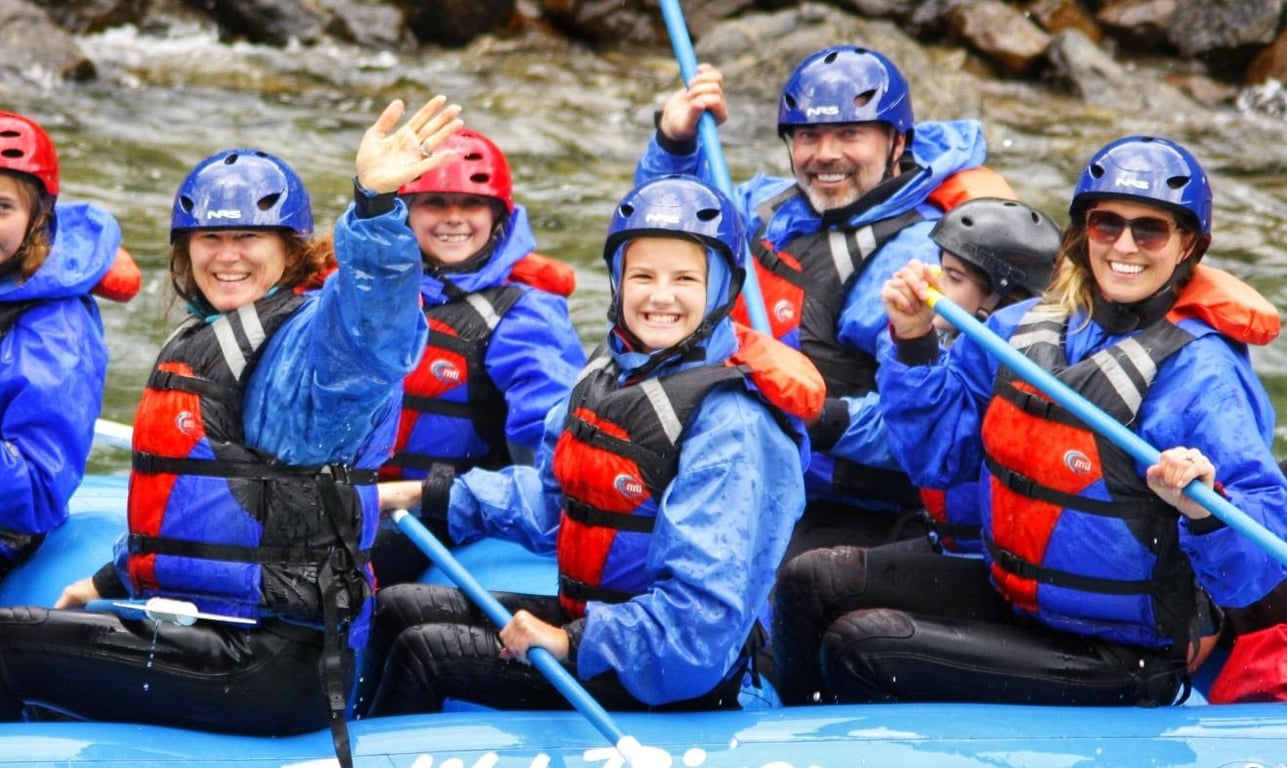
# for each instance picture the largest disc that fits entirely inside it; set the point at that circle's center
(534, 357)
(333, 372)
(933, 409)
(863, 325)
(1207, 397)
(658, 161)
(518, 503)
(723, 527)
(51, 393)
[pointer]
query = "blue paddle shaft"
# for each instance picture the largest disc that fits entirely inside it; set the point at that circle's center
(708, 137)
(559, 677)
(1102, 423)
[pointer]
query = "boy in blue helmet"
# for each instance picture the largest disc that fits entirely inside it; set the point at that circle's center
(1099, 574)
(252, 498)
(666, 486)
(868, 184)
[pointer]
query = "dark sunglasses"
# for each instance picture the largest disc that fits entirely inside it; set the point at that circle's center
(1148, 232)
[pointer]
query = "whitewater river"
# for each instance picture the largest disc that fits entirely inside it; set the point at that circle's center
(572, 123)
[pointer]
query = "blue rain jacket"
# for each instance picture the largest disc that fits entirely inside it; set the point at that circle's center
(54, 363)
(328, 386)
(1206, 396)
(535, 352)
(941, 149)
(722, 529)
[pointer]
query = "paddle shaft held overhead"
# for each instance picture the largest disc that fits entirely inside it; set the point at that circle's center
(713, 151)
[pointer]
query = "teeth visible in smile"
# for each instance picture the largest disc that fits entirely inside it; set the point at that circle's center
(662, 319)
(231, 278)
(830, 178)
(1126, 269)
(453, 238)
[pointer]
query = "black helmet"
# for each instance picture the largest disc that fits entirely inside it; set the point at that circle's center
(1015, 245)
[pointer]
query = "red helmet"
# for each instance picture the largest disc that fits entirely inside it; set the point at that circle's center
(478, 168)
(25, 147)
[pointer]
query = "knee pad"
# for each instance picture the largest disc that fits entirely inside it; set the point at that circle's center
(854, 650)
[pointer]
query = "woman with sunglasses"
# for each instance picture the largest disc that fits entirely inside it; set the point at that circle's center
(1103, 576)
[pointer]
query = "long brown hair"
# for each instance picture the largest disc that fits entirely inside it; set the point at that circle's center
(308, 262)
(39, 241)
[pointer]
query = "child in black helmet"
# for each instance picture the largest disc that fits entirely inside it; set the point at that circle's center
(995, 252)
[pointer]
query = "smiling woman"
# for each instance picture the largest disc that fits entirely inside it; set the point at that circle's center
(243, 500)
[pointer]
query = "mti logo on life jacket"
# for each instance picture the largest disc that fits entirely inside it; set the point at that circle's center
(224, 213)
(784, 311)
(183, 422)
(629, 486)
(1078, 463)
(445, 371)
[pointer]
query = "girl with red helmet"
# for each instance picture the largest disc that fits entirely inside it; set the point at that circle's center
(503, 349)
(52, 255)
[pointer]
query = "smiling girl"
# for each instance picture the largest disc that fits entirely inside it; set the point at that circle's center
(666, 487)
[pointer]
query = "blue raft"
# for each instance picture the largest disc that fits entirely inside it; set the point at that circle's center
(759, 736)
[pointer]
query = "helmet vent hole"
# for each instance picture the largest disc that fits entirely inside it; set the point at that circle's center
(9, 134)
(831, 57)
(1097, 171)
(14, 153)
(1177, 182)
(268, 201)
(862, 99)
(230, 159)
(966, 221)
(627, 210)
(791, 102)
(186, 204)
(474, 156)
(707, 214)
(480, 178)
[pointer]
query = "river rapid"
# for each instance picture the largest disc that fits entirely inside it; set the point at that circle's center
(572, 123)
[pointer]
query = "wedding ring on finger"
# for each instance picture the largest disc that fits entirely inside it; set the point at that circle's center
(425, 152)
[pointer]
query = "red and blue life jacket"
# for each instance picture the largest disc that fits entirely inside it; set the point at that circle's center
(452, 411)
(218, 523)
(1073, 534)
(620, 450)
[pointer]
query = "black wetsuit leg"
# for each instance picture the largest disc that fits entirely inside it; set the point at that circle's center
(888, 655)
(207, 676)
(818, 587)
(443, 647)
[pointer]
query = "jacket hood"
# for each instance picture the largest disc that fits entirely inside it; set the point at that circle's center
(85, 240)
(514, 241)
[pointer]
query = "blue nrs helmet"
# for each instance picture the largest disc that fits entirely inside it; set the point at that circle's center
(242, 189)
(1148, 169)
(845, 84)
(683, 206)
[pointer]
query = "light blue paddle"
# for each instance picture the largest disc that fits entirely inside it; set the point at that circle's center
(1101, 422)
(708, 135)
(631, 750)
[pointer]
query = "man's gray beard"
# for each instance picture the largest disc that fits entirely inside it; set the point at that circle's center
(822, 202)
